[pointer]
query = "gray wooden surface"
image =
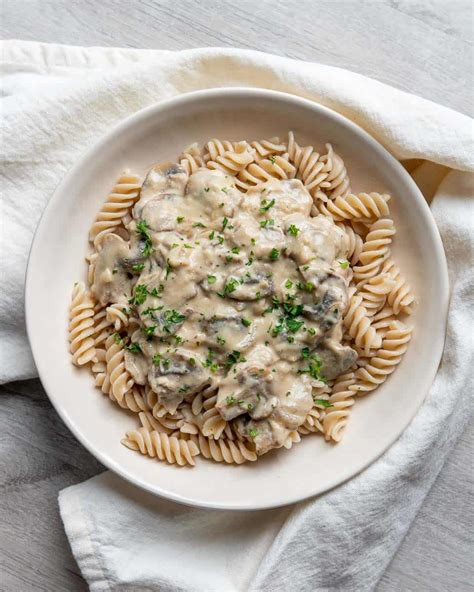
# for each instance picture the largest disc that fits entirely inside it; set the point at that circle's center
(421, 46)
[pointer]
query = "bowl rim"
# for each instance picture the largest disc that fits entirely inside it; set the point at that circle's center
(180, 100)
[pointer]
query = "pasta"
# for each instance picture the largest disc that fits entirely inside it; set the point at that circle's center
(282, 281)
(81, 326)
(119, 202)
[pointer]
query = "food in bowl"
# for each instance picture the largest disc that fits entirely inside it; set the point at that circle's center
(238, 299)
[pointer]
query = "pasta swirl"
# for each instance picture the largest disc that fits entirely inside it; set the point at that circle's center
(81, 326)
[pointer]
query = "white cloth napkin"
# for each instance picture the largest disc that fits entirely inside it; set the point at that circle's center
(55, 102)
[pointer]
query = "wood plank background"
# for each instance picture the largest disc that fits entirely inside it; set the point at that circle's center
(421, 46)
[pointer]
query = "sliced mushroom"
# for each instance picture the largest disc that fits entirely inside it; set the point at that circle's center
(226, 331)
(335, 358)
(111, 282)
(176, 376)
(329, 296)
(248, 389)
(265, 434)
(166, 177)
(249, 283)
(137, 365)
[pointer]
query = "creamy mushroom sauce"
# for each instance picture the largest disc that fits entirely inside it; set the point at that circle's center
(241, 291)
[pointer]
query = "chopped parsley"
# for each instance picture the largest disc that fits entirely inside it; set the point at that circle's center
(293, 230)
(138, 267)
(220, 340)
(144, 233)
(183, 389)
(211, 279)
(313, 368)
(274, 254)
(235, 250)
(198, 225)
(211, 234)
(271, 159)
(172, 317)
(225, 221)
(306, 286)
(253, 433)
(140, 294)
(246, 322)
(117, 338)
(168, 268)
(288, 284)
(322, 403)
(210, 363)
(134, 348)
(206, 189)
(230, 400)
(235, 357)
(179, 219)
(266, 205)
(344, 264)
(265, 223)
(229, 287)
(149, 331)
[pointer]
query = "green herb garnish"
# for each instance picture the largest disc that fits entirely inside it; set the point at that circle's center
(293, 230)
(266, 206)
(144, 233)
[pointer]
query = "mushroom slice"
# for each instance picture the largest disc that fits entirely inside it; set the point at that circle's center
(249, 283)
(248, 389)
(265, 434)
(335, 358)
(111, 281)
(176, 376)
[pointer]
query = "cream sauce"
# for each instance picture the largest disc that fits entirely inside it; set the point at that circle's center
(243, 292)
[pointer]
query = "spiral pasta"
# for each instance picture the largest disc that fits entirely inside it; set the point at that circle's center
(120, 379)
(265, 148)
(375, 250)
(224, 450)
(81, 326)
(374, 292)
(118, 203)
(233, 161)
(191, 159)
(400, 297)
(309, 167)
(363, 207)
(358, 325)
(161, 446)
(273, 167)
(354, 242)
(337, 414)
(337, 181)
(394, 345)
(117, 316)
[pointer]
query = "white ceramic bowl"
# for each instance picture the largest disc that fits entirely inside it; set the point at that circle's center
(57, 260)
